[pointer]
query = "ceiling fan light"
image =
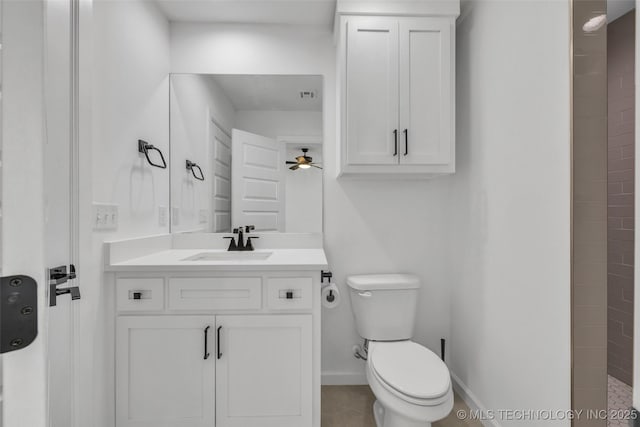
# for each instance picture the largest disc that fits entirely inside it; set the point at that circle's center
(303, 166)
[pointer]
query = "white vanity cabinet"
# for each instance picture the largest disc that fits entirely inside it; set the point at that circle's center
(397, 95)
(264, 371)
(226, 349)
(162, 378)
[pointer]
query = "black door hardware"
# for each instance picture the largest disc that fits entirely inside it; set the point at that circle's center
(395, 145)
(206, 342)
(192, 167)
(406, 142)
(442, 346)
(325, 275)
(144, 147)
(218, 342)
(58, 276)
(18, 312)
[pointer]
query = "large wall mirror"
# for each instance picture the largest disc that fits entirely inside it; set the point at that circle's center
(246, 150)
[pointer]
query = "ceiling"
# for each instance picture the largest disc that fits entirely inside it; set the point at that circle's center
(617, 8)
(274, 93)
(284, 12)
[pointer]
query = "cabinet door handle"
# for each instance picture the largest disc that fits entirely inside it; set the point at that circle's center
(206, 343)
(218, 341)
(406, 142)
(395, 137)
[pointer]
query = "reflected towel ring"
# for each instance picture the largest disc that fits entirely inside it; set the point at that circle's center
(144, 147)
(192, 167)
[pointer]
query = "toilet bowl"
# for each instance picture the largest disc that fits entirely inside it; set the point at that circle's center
(411, 384)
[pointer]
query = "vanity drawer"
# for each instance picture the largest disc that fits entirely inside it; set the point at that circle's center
(292, 293)
(215, 293)
(140, 294)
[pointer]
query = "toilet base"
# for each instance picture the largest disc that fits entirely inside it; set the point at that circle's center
(389, 419)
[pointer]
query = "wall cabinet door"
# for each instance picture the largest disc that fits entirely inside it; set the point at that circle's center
(426, 93)
(371, 87)
(162, 376)
(397, 95)
(264, 371)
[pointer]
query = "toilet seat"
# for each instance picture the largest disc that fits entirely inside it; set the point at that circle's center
(410, 371)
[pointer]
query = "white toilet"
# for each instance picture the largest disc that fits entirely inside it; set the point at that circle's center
(411, 383)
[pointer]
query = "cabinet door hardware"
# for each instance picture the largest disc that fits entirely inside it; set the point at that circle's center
(218, 342)
(18, 312)
(406, 142)
(395, 144)
(206, 342)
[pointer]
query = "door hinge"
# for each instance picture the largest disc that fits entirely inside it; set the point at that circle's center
(58, 276)
(18, 312)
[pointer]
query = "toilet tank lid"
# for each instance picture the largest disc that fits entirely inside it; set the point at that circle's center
(372, 282)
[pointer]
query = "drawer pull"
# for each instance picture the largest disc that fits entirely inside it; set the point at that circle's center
(206, 343)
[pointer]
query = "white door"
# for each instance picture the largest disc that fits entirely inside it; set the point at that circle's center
(37, 138)
(257, 182)
(425, 91)
(371, 91)
(60, 225)
(221, 179)
(264, 371)
(165, 371)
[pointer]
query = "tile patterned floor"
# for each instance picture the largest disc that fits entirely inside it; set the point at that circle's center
(619, 395)
(351, 406)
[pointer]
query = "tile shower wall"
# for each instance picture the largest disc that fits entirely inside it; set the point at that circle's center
(621, 100)
(589, 287)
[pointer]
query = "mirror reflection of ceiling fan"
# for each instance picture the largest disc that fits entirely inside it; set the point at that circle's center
(303, 162)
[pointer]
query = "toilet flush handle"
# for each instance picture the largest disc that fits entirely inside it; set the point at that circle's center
(366, 294)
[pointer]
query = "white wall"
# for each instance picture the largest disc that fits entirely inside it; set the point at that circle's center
(370, 227)
(130, 101)
(195, 100)
(509, 246)
(303, 199)
(273, 124)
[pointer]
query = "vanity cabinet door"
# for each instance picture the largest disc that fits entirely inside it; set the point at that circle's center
(264, 371)
(426, 91)
(162, 376)
(371, 91)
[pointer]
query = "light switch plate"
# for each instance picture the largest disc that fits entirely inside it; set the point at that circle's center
(175, 216)
(163, 214)
(105, 216)
(202, 216)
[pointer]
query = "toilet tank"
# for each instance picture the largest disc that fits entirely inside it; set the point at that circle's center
(384, 305)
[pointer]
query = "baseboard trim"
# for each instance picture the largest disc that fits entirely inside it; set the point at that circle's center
(343, 378)
(471, 400)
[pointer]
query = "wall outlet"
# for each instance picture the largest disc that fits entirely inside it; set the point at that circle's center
(105, 216)
(163, 214)
(203, 216)
(175, 216)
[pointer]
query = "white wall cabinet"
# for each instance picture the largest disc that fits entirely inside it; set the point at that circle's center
(190, 353)
(397, 95)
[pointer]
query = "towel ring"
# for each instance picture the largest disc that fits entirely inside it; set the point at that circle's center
(144, 147)
(192, 167)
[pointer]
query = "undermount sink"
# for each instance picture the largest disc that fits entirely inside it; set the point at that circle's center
(229, 256)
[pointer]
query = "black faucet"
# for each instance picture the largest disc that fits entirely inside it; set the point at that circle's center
(241, 246)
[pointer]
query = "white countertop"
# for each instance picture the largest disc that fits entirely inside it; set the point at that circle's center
(176, 260)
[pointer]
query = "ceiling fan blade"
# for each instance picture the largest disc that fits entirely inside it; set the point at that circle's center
(315, 166)
(296, 167)
(291, 163)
